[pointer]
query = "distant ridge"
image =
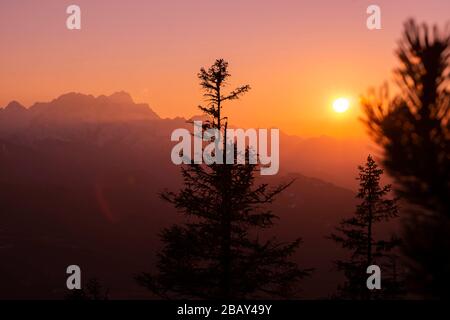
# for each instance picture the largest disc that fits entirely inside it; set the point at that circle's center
(76, 107)
(116, 118)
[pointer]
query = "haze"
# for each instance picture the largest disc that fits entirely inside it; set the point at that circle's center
(298, 56)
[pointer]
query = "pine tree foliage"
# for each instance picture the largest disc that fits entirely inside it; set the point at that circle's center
(357, 234)
(221, 252)
(413, 129)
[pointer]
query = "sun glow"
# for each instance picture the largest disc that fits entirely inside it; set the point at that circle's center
(341, 105)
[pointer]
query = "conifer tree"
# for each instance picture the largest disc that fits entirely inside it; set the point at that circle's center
(413, 129)
(358, 235)
(218, 252)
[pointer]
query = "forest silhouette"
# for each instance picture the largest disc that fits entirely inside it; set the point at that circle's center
(89, 179)
(413, 131)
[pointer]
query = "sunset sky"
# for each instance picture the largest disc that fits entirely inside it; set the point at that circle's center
(298, 56)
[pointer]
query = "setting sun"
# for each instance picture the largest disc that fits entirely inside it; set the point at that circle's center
(341, 105)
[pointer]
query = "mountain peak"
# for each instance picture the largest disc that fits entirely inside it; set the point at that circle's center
(121, 97)
(15, 106)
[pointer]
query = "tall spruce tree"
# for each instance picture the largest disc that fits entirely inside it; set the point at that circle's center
(413, 129)
(218, 253)
(358, 235)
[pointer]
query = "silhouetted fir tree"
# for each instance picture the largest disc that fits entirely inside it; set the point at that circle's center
(357, 234)
(413, 129)
(217, 253)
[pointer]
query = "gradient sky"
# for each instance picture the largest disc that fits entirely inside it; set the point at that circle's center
(297, 55)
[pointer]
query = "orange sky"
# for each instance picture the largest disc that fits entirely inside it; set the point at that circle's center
(297, 55)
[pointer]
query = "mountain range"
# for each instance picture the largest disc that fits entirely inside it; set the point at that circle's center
(79, 184)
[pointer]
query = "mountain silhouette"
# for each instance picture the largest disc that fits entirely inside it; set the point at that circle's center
(75, 116)
(80, 178)
(14, 107)
(13, 116)
(76, 108)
